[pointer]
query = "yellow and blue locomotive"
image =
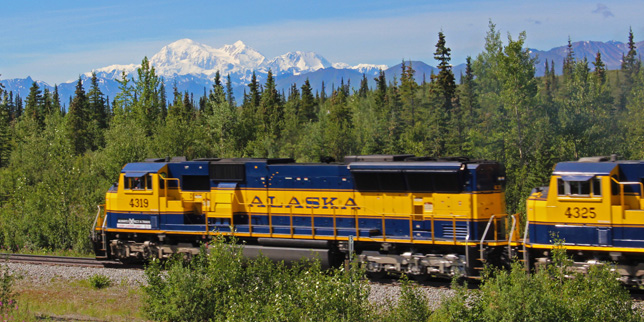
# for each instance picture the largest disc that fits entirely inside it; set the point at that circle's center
(595, 208)
(398, 213)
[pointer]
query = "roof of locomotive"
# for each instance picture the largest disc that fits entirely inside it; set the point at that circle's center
(423, 165)
(366, 163)
(143, 167)
(628, 168)
(568, 168)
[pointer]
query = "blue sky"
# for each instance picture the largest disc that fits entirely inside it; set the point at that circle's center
(55, 41)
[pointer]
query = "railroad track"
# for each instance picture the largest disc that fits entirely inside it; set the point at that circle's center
(57, 260)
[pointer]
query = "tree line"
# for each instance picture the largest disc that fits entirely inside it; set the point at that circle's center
(56, 164)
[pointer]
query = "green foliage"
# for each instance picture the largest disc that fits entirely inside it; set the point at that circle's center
(548, 294)
(411, 305)
(54, 170)
(99, 281)
(220, 285)
(7, 294)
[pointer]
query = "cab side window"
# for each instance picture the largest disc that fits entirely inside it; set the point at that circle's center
(585, 188)
(597, 186)
(138, 183)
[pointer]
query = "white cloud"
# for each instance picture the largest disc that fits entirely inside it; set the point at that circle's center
(603, 10)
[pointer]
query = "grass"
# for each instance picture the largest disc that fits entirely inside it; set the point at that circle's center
(77, 300)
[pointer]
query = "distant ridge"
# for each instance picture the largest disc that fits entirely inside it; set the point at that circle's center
(611, 53)
(192, 66)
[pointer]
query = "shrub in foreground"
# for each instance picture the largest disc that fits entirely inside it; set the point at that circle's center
(548, 294)
(99, 281)
(222, 286)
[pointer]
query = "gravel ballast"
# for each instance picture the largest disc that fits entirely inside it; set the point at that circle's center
(381, 293)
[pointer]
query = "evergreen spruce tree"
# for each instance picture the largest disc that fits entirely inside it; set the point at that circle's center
(97, 109)
(56, 101)
(271, 108)
(364, 87)
(380, 93)
(163, 100)
(548, 91)
(290, 133)
(569, 61)
(5, 131)
(33, 104)
(631, 65)
(307, 106)
(253, 94)
(469, 109)
(322, 97)
(19, 107)
(230, 97)
(600, 68)
(11, 105)
(122, 106)
(188, 112)
(176, 110)
(77, 120)
(47, 103)
(446, 114)
(445, 79)
(338, 130)
(218, 96)
(408, 88)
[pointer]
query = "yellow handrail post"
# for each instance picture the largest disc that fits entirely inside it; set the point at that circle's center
(432, 221)
(454, 228)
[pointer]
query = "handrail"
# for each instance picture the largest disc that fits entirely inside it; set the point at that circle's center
(467, 247)
(98, 213)
(353, 213)
(621, 192)
(514, 221)
(165, 188)
(104, 222)
(525, 232)
(525, 238)
(485, 233)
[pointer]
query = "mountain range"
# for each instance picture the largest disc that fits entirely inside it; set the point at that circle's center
(191, 66)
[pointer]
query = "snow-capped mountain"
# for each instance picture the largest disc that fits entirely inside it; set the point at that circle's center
(367, 69)
(192, 66)
(296, 63)
(188, 57)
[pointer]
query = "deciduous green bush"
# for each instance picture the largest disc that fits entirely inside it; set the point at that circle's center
(8, 304)
(545, 295)
(99, 281)
(223, 286)
(411, 305)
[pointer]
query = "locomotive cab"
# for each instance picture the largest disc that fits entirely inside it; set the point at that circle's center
(596, 210)
(136, 199)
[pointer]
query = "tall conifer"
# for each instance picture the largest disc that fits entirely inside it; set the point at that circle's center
(307, 106)
(77, 120)
(33, 104)
(445, 79)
